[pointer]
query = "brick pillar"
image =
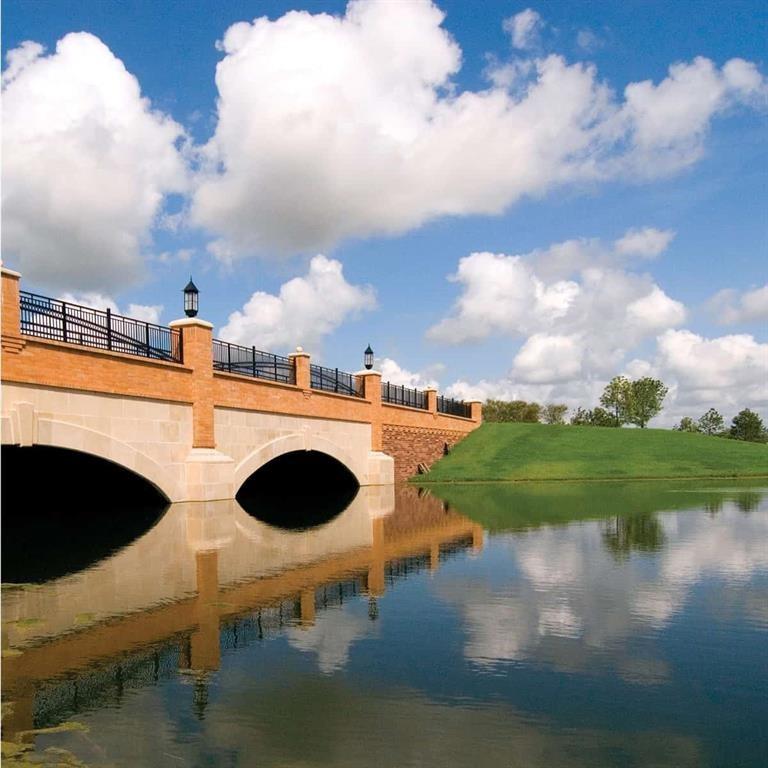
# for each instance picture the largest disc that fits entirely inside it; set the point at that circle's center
(197, 347)
(477, 410)
(431, 399)
(301, 363)
(371, 383)
(11, 328)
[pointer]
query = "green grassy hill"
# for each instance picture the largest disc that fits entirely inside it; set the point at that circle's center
(550, 452)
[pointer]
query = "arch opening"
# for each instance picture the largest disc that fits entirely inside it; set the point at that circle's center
(298, 490)
(65, 510)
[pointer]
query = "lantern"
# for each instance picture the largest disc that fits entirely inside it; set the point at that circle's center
(190, 298)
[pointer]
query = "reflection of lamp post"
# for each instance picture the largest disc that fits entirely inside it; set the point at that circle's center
(373, 608)
(368, 358)
(190, 298)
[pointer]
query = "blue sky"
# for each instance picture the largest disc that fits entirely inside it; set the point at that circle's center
(397, 143)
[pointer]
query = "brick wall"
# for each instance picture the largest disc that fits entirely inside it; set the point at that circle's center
(411, 446)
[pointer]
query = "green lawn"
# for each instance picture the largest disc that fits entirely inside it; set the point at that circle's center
(549, 452)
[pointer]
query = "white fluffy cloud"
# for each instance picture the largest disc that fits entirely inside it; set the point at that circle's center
(332, 127)
(728, 372)
(581, 311)
(306, 309)
(576, 303)
(730, 307)
(148, 312)
(86, 165)
(524, 27)
(647, 242)
(392, 372)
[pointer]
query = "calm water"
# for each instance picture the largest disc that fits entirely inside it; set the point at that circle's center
(488, 625)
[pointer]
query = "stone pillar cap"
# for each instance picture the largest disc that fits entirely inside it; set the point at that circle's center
(190, 321)
(368, 373)
(10, 272)
(474, 400)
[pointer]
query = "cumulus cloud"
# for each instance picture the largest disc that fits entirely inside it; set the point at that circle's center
(86, 165)
(524, 28)
(728, 372)
(731, 307)
(148, 312)
(334, 127)
(548, 358)
(580, 313)
(392, 372)
(305, 310)
(648, 242)
(577, 306)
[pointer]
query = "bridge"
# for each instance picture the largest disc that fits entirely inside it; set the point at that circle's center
(196, 416)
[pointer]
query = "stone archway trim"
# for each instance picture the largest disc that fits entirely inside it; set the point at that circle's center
(288, 444)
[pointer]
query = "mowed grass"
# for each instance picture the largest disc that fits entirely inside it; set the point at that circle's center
(551, 452)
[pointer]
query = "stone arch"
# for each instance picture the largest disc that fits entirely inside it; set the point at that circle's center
(64, 434)
(288, 444)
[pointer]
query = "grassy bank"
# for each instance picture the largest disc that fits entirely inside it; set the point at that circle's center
(497, 452)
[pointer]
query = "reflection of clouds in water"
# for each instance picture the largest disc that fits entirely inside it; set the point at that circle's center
(573, 599)
(730, 546)
(331, 636)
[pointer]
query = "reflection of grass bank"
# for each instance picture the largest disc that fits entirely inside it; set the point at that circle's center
(509, 506)
(550, 452)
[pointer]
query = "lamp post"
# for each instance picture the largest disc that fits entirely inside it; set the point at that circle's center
(368, 358)
(190, 298)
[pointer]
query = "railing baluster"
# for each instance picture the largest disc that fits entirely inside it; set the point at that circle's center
(64, 320)
(109, 328)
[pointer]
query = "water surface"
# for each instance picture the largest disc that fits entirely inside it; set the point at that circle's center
(489, 625)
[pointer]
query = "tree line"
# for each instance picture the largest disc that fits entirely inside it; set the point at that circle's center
(626, 401)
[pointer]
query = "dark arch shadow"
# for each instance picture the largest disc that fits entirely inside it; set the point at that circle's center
(298, 490)
(65, 510)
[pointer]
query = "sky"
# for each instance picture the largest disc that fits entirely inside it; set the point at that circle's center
(506, 200)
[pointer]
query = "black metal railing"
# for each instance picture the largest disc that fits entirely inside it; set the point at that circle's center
(250, 361)
(334, 380)
(454, 407)
(75, 324)
(397, 394)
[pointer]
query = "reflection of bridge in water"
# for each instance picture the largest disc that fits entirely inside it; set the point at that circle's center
(208, 565)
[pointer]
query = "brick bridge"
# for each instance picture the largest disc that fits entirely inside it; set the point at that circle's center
(195, 416)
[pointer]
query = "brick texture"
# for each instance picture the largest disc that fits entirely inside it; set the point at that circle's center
(411, 446)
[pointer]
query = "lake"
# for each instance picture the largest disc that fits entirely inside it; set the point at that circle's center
(552, 624)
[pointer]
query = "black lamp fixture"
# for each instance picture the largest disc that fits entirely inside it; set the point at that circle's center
(368, 358)
(190, 298)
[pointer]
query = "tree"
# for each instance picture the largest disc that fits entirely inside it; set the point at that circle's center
(554, 413)
(616, 398)
(599, 417)
(711, 422)
(747, 425)
(645, 400)
(581, 418)
(516, 410)
(687, 424)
